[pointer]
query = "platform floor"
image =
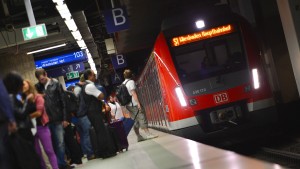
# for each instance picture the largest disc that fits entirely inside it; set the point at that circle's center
(172, 152)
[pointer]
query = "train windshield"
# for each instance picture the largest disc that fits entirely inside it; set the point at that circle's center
(210, 57)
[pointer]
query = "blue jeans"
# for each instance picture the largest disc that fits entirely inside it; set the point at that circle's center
(57, 133)
(83, 127)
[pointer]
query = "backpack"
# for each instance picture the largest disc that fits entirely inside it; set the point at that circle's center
(123, 95)
(72, 103)
(82, 107)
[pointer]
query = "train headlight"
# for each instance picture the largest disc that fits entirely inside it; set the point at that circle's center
(180, 96)
(200, 24)
(255, 78)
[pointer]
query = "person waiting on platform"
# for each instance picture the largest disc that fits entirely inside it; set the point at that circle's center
(42, 135)
(135, 107)
(93, 98)
(55, 105)
(83, 125)
(116, 109)
(8, 124)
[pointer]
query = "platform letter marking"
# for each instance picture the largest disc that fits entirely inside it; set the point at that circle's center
(116, 19)
(115, 16)
(120, 59)
(117, 77)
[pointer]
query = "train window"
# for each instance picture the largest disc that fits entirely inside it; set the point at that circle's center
(189, 63)
(208, 58)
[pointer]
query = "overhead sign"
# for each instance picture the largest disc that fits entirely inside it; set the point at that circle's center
(72, 75)
(71, 83)
(116, 19)
(77, 56)
(119, 61)
(34, 32)
(205, 34)
(61, 71)
(116, 78)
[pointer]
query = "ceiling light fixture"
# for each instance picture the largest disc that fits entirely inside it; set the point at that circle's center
(77, 35)
(45, 49)
(64, 12)
(71, 25)
(200, 24)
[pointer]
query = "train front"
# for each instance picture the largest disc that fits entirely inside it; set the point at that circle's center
(214, 74)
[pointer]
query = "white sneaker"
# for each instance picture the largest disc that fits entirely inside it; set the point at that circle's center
(151, 136)
(140, 138)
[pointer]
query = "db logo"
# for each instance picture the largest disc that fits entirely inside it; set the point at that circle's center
(221, 97)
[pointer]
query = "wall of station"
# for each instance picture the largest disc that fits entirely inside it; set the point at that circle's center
(21, 62)
(265, 18)
(275, 50)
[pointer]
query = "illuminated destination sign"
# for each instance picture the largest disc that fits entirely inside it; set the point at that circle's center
(77, 56)
(205, 34)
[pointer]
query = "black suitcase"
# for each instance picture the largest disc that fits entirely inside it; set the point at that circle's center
(119, 135)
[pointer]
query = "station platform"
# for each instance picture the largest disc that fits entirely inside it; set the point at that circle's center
(173, 152)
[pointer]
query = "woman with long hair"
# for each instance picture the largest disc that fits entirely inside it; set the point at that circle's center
(22, 154)
(43, 134)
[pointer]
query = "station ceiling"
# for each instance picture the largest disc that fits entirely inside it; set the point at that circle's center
(145, 18)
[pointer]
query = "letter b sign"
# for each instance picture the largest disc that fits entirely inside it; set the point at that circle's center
(116, 19)
(119, 61)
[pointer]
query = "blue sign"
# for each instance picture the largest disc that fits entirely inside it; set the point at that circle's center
(71, 83)
(118, 61)
(61, 71)
(116, 78)
(116, 19)
(77, 56)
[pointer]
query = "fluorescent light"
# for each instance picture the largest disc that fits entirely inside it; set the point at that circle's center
(62, 7)
(44, 49)
(180, 96)
(71, 25)
(81, 43)
(77, 35)
(65, 14)
(59, 2)
(255, 78)
(200, 24)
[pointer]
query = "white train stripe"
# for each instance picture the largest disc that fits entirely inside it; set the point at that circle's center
(261, 104)
(192, 121)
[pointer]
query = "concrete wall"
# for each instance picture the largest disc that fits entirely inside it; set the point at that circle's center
(20, 62)
(275, 49)
(290, 17)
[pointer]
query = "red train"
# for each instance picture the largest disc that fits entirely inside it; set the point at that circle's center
(205, 75)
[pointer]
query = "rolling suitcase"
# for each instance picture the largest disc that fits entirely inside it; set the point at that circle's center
(120, 137)
(128, 123)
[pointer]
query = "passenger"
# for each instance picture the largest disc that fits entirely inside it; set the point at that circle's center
(93, 98)
(55, 105)
(83, 125)
(43, 135)
(135, 107)
(73, 150)
(116, 109)
(8, 124)
(14, 85)
(21, 144)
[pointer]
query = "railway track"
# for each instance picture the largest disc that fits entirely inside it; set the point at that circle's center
(284, 158)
